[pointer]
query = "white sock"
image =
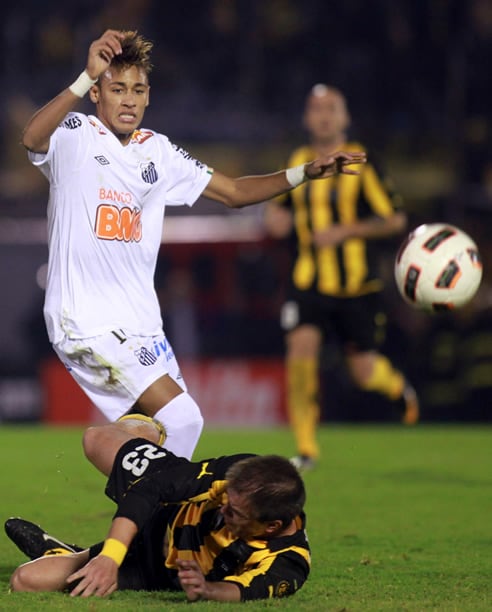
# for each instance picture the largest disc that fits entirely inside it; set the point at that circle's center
(183, 422)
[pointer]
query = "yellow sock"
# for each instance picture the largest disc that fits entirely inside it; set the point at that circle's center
(303, 403)
(385, 379)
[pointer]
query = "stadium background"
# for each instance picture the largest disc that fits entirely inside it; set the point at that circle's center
(229, 84)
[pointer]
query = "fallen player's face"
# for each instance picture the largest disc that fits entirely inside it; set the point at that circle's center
(238, 516)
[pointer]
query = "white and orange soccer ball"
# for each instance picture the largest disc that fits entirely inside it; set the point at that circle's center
(438, 267)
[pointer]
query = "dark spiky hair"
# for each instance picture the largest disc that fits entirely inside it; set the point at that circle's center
(136, 51)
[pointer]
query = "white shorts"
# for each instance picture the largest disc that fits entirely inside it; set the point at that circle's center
(114, 369)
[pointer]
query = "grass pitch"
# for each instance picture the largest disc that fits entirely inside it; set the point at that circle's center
(398, 518)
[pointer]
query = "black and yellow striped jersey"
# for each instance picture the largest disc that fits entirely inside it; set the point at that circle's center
(190, 495)
(260, 568)
(348, 269)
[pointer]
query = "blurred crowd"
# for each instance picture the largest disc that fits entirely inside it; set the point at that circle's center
(415, 73)
(235, 73)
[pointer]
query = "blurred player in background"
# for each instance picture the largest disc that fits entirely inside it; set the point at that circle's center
(110, 182)
(223, 529)
(335, 292)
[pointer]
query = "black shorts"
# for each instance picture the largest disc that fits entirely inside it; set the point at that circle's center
(357, 323)
(143, 567)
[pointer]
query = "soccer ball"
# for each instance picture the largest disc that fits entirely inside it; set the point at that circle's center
(438, 267)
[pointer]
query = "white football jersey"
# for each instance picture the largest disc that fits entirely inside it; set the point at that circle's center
(105, 215)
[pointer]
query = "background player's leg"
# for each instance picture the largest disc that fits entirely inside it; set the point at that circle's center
(374, 372)
(303, 402)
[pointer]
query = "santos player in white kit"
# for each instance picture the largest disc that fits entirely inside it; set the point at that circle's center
(110, 182)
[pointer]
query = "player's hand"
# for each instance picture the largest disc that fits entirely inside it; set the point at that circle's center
(191, 579)
(102, 51)
(98, 577)
(334, 164)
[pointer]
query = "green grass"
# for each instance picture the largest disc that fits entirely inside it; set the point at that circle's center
(398, 519)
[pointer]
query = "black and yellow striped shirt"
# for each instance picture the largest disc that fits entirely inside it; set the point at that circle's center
(350, 268)
(193, 493)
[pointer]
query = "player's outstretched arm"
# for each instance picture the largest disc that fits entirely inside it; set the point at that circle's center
(43, 123)
(246, 190)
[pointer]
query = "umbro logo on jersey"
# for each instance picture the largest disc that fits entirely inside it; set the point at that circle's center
(102, 160)
(145, 357)
(149, 173)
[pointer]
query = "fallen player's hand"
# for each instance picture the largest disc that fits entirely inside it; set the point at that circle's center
(191, 579)
(98, 577)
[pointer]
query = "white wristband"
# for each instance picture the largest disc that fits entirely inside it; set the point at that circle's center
(296, 176)
(82, 85)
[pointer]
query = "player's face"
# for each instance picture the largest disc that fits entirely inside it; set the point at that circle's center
(239, 518)
(326, 117)
(121, 100)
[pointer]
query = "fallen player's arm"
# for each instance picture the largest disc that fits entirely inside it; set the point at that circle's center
(196, 587)
(100, 575)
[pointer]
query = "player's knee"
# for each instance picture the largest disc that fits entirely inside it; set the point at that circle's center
(23, 579)
(16, 580)
(141, 426)
(361, 368)
(91, 442)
